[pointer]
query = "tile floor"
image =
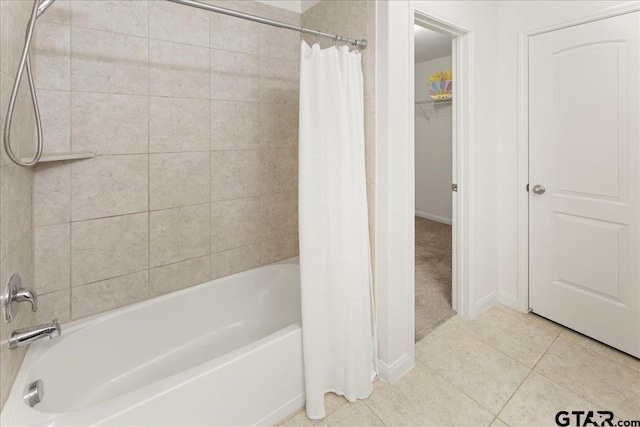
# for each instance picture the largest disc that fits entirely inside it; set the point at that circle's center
(503, 369)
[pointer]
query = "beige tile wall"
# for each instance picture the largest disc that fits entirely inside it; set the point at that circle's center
(16, 230)
(193, 117)
(354, 19)
(194, 120)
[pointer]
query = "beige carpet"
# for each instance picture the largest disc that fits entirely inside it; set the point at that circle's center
(433, 276)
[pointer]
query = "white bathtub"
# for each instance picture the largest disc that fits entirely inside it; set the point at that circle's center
(227, 352)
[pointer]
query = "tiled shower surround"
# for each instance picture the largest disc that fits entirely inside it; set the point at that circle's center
(16, 229)
(193, 117)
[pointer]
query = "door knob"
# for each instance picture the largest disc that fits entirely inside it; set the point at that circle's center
(539, 189)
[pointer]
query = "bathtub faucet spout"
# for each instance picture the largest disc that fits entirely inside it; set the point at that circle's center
(25, 336)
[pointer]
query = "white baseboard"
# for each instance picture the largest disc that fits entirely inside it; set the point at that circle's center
(392, 373)
(507, 299)
(433, 217)
(486, 302)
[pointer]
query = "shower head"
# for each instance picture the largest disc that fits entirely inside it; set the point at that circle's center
(44, 4)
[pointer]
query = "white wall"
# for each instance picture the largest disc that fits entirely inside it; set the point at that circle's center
(395, 171)
(515, 17)
(480, 19)
(433, 139)
(492, 170)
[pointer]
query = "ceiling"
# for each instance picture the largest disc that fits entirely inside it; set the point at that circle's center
(430, 44)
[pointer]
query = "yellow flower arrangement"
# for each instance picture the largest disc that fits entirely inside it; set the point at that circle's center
(440, 84)
(436, 77)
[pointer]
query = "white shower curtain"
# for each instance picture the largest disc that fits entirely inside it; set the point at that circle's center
(335, 265)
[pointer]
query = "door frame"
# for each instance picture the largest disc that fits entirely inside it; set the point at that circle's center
(523, 137)
(459, 145)
(395, 182)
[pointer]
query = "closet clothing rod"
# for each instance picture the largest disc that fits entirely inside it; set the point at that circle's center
(362, 44)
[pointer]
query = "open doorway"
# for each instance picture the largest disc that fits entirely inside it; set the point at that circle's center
(434, 172)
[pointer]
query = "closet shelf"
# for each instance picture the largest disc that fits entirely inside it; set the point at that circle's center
(60, 157)
(432, 102)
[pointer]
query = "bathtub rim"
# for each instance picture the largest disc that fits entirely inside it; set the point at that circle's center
(39, 349)
(72, 326)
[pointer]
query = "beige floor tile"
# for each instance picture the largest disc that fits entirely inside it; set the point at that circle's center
(593, 376)
(424, 398)
(524, 341)
(332, 402)
(355, 414)
(598, 347)
(498, 423)
(538, 400)
(391, 406)
(468, 371)
(532, 318)
(439, 402)
(299, 420)
(479, 370)
(452, 323)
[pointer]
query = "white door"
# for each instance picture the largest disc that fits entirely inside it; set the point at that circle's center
(583, 149)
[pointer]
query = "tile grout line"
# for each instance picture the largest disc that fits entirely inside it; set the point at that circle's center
(500, 351)
(465, 393)
(346, 403)
(287, 192)
(259, 145)
(546, 350)
(508, 355)
(577, 393)
(210, 132)
(497, 349)
(585, 398)
(365, 401)
(513, 394)
(141, 95)
(70, 169)
(151, 38)
(595, 350)
(148, 151)
(119, 276)
(528, 375)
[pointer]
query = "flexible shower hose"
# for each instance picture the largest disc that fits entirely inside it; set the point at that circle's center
(25, 62)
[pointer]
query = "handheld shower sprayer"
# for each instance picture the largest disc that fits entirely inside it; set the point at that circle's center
(44, 4)
(39, 6)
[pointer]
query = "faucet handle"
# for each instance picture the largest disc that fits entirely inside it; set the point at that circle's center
(27, 295)
(15, 294)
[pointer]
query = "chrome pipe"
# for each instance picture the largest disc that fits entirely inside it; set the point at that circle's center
(362, 44)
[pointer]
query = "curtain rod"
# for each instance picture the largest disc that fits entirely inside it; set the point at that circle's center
(362, 44)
